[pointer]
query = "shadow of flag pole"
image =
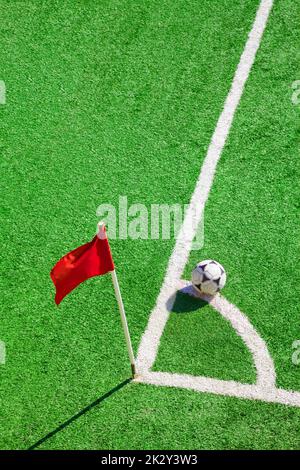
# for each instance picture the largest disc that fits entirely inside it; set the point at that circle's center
(102, 235)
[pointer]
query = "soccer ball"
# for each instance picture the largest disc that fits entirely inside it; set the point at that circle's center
(209, 277)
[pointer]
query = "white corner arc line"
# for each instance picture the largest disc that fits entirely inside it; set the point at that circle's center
(266, 375)
(150, 340)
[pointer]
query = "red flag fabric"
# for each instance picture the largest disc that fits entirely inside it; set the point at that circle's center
(92, 259)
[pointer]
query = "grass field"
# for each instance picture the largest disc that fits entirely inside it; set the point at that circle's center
(121, 98)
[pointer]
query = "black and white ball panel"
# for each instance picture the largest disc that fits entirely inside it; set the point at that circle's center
(209, 277)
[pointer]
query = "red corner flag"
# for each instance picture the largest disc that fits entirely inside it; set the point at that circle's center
(92, 259)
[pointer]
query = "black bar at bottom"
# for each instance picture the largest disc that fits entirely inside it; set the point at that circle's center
(133, 459)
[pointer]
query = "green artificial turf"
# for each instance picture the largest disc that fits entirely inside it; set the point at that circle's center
(147, 417)
(111, 98)
(198, 341)
(252, 216)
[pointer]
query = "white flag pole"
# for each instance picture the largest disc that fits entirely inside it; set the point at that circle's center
(102, 234)
(124, 321)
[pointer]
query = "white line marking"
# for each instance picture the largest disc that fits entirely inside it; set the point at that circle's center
(2, 353)
(150, 341)
(266, 376)
(221, 387)
(265, 389)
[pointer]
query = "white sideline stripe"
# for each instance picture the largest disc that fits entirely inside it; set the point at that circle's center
(221, 387)
(150, 340)
(266, 376)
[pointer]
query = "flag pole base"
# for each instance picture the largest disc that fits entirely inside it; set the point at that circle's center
(133, 371)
